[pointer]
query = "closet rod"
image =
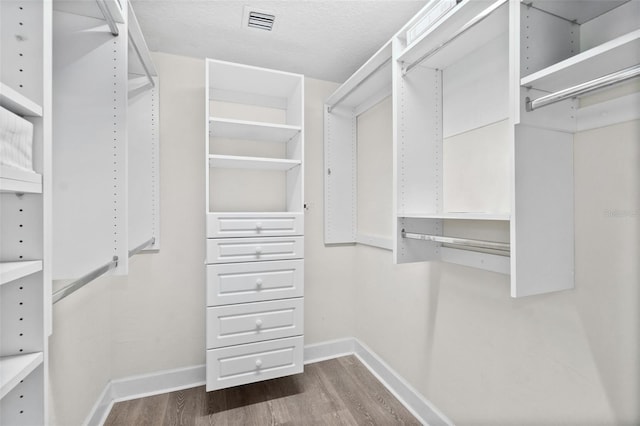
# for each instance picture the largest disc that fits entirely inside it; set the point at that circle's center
(360, 83)
(113, 27)
(458, 241)
(581, 89)
(472, 23)
(142, 246)
(84, 280)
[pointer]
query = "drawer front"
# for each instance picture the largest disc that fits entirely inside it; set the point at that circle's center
(229, 283)
(254, 322)
(238, 365)
(225, 225)
(225, 250)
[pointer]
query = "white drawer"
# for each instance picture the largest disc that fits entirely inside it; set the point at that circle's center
(238, 365)
(229, 283)
(225, 225)
(224, 250)
(254, 322)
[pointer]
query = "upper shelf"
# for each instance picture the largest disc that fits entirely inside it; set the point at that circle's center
(13, 369)
(470, 24)
(256, 163)
(19, 181)
(246, 84)
(91, 9)
(17, 103)
(601, 60)
(458, 216)
(371, 79)
(11, 271)
(251, 130)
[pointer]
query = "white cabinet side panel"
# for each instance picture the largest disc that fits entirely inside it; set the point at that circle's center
(339, 177)
(90, 156)
(542, 235)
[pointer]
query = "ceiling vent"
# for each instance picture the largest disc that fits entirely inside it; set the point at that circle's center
(260, 19)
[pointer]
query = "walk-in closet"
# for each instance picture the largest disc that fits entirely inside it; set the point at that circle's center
(390, 212)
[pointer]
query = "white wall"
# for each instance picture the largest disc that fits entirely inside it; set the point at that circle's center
(484, 358)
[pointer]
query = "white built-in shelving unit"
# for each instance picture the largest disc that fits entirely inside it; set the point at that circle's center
(255, 223)
(106, 133)
(25, 212)
(486, 98)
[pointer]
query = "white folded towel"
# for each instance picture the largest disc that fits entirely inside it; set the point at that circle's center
(16, 141)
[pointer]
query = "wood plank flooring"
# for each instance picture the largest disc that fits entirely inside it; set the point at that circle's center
(339, 391)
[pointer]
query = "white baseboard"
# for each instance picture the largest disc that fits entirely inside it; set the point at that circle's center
(184, 378)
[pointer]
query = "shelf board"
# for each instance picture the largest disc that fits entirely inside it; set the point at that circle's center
(17, 103)
(13, 369)
(458, 216)
(251, 130)
(446, 27)
(90, 9)
(370, 79)
(257, 163)
(11, 271)
(614, 55)
(19, 181)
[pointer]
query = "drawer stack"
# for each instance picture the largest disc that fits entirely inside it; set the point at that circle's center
(255, 288)
(254, 224)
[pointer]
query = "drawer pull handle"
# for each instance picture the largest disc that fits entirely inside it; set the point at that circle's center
(258, 250)
(258, 363)
(259, 226)
(258, 323)
(259, 283)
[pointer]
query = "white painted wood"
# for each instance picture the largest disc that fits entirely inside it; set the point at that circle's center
(15, 368)
(19, 181)
(375, 241)
(254, 322)
(90, 136)
(458, 215)
(232, 283)
(225, 225)
(256, 163)
(238, 365)
(578, 10)
(486, 261)
(252, 130)
(542, 236)
(10, 271)
(141, 62)
(611, 25)
(317, 352)
(601, 60)
(24, 404)
(340, 174)
(445, 28)
(373, 77)
(17, 103)
(225, 250)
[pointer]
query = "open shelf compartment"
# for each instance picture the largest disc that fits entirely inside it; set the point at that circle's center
(11, 271)
(15, 368)
(252, 130)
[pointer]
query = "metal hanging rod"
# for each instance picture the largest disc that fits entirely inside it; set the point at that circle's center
(581, 89)
(142, 246)
(113, 27)
(472, 23)
(84, 280)
(492, 245)
(360, 83)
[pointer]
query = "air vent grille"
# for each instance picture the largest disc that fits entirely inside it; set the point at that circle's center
(260, 20)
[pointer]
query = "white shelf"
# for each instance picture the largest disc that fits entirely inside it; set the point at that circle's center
(252, 130)
(446, 27)
(457, 216)
(257, 163)
(90, 9)
(372, 78)
(17, 103)
(13, 369)
(601, 60)
(11, 271)
(19, 181)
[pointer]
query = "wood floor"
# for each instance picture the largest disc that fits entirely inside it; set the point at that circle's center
(340, 391)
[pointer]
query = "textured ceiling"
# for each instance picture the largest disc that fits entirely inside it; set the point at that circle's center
(327, 39)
